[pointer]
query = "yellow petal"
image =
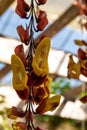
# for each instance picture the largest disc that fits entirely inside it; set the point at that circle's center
(19, 73)
(73, 69)
(15, 126)
(40, 60)
(47, 87)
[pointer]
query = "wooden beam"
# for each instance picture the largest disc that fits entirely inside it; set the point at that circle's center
(5, 71)
(73, 93)
(4, 4)
(71, 13)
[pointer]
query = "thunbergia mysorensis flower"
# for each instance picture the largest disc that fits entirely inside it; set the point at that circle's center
(80, 68)
(30, 70)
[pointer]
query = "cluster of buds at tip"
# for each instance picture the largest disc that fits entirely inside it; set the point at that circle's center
(37, 18)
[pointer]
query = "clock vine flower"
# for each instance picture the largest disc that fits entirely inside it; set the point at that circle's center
(30, 70)
(80, 68)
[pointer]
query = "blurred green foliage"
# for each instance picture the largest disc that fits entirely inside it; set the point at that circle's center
(60, 85)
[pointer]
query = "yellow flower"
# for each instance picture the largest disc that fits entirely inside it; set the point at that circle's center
(40, 60)
(19, 73)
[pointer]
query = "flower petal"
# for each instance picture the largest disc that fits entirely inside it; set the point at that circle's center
(40, 60)
(73, 69)
(48, 104)
(19, 73)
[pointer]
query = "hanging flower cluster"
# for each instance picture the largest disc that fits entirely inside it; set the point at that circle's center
(30, 71)
(76, 69)
(83, 11)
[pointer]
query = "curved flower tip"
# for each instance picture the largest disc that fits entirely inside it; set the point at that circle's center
(22, 8)
(19, 73)
(40, 60)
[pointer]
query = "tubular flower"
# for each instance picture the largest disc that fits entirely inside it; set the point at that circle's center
(40, 60)
(30, 71)
(19, 74)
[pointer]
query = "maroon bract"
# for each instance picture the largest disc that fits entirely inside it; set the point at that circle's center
(22, 8)
(24, 34)
(42, 1)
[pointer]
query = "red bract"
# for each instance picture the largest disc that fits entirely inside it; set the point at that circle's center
(22, 125)
(42, 1)
(17, 112)
(42, 14)
(83, 71)
(82, 54)
(22, 8)
(24, 34)
(23, 94)
(34, 80)
(42, 20)
(19, 51)
(38, 94)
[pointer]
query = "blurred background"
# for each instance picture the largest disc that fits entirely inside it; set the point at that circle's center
(63, 29)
